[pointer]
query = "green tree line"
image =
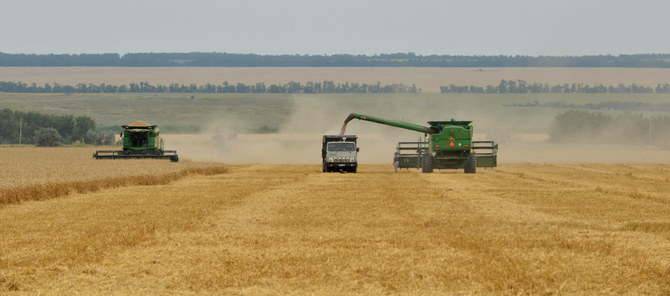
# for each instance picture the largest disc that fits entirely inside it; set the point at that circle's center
(22, 127)
(523, 87)
(588, 127)
(225, 87)
(214, 59)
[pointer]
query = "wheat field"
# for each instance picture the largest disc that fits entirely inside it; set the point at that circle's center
(427, 79)
(35, 173)
(290, 229)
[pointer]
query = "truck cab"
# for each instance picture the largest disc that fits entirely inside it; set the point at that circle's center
(339, 153)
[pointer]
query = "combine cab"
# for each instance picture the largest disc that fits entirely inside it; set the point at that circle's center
(140, 140)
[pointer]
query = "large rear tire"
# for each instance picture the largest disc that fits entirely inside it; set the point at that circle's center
(471, 164)
(427, 165)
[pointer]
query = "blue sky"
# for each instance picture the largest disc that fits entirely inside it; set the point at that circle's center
(484, 27)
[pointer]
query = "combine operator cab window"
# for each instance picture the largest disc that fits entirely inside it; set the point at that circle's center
(341, 147)
(139, 139)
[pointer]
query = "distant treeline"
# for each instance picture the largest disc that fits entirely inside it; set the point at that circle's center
(21, 127)
(608, 105)
(586, 127)
(225, 87)
(523, 87)
(213, 59)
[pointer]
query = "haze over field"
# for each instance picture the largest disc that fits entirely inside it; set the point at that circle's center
(226, 124)
(522, 134)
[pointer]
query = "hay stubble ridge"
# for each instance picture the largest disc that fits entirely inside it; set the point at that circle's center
(31, 173)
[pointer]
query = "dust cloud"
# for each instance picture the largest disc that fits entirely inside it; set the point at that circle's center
(297, 141)
(520, 133)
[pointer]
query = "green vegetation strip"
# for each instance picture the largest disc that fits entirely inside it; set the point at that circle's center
(522, 87)
(292, 87)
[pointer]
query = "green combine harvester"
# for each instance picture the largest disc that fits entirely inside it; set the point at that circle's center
(447, 145)
(140, 140)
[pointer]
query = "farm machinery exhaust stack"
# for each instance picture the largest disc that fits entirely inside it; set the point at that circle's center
(140, 140)
(448, 145)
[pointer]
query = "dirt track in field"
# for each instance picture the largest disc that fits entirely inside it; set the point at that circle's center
(271, 229)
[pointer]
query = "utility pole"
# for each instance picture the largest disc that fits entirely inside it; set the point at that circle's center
(20, 129)
(650, 142)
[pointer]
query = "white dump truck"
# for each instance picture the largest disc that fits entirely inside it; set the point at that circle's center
(339, 153)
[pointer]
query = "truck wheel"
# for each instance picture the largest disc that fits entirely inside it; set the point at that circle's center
(324, 167)
(427, 165)
(353, 170)
(471, 164)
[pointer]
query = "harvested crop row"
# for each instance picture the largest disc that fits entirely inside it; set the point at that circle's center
(28, 166)
(31, 173)
(291, 229)
(47, 191)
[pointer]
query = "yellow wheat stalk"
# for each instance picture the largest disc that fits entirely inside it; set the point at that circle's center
(53, 190)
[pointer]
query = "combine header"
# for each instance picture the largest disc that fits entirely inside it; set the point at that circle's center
(140, 140)
(448, 145)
